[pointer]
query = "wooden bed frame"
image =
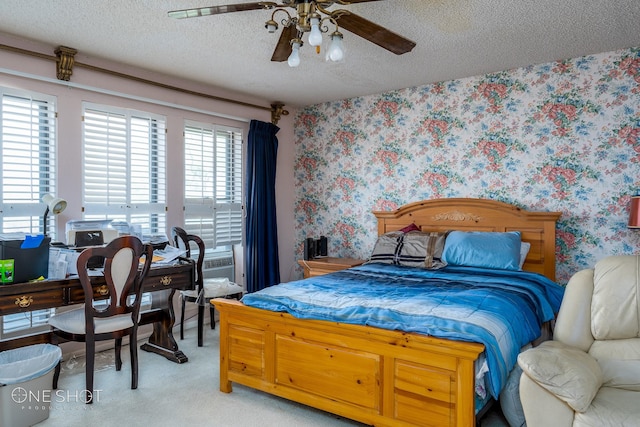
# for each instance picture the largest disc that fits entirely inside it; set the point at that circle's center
(376, 376)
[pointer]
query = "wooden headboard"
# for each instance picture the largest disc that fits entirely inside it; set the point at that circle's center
(537, 228)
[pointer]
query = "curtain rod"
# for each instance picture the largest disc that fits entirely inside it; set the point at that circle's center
(72, 85)
(275, 108)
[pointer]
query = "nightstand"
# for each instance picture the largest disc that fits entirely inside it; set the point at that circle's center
(320, 266)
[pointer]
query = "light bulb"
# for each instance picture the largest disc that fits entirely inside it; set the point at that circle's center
(336, 49)
(315, 36)
(271, 26)
(294, 58)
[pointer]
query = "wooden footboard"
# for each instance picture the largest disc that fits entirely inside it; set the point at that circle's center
(371, 375)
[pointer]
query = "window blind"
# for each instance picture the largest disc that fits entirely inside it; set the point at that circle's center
(124, 167)
(28, 157)
(213, 183)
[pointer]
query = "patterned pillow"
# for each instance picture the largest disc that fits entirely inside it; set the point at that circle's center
(385, 248)
(413, 249)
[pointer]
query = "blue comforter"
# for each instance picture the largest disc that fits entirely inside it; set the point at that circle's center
(503, 310)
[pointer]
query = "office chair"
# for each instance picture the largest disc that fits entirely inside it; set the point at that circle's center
(205, 289)
(111, 317)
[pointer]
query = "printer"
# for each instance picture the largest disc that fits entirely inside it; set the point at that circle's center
(85, 233)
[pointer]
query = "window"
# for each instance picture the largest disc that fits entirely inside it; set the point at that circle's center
(124, 167)
(28, 159)
(213, 184)
(28, 150)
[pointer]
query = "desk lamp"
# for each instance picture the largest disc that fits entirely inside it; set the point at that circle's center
(55, 205)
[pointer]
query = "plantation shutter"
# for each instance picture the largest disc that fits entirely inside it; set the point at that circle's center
(28, 160)
(28, 156)
(213, 184)
(124, 168)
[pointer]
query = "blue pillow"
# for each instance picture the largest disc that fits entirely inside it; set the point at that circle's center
(483, 249)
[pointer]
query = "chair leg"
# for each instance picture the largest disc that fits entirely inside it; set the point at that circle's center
(56, 375)
(212, 313)
(182, 319)
(90, 354)
(133, 351)
(200, 325)
(118, 350)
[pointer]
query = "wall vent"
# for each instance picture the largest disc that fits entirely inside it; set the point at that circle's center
(219, 265)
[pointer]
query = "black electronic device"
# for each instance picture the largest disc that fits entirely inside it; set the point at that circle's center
(309, 249)
(314, 248)
(321, 246)
(87, 238)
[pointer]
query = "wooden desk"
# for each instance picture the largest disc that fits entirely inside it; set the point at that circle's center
(163, 280)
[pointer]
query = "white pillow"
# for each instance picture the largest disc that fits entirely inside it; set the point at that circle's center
(524, 250)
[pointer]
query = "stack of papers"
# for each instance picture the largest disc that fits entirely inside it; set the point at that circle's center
(167, 255)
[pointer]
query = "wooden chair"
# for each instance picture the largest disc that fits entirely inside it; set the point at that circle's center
(111, 312)
(205, 289)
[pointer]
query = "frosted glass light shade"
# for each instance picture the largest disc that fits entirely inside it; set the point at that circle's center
(315, 36)
(336, 49)
(294, 58)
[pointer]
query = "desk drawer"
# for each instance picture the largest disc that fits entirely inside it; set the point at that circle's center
(180, 280)
(29, 301)
(76, 293)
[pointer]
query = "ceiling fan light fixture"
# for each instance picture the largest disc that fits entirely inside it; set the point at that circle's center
(313, 17)
(309, 19)
(294, 58)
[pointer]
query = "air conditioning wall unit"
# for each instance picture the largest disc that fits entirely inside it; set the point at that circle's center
(219, 264)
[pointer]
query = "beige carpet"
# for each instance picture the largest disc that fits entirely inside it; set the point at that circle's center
(171, 394)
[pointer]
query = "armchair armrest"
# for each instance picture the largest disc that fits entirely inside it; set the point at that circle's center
(541, 408)
(568, 373)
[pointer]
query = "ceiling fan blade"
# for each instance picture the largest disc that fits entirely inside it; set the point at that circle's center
(375, 33)
(283, 48)
(215, 10)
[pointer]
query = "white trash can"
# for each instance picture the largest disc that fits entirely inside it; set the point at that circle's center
(26, 379)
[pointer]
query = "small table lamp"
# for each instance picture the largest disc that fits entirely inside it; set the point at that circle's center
(55, 205)
(634, 213)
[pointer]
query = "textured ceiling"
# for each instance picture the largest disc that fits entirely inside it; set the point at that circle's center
(455, 39)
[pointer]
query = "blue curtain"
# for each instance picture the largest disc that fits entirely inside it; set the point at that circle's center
(263, 265)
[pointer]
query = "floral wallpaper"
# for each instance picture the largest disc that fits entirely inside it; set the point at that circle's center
(562, 136)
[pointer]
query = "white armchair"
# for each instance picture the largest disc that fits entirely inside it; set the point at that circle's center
(589, 375)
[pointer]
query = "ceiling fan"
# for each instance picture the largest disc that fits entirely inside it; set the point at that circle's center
(311, 16)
